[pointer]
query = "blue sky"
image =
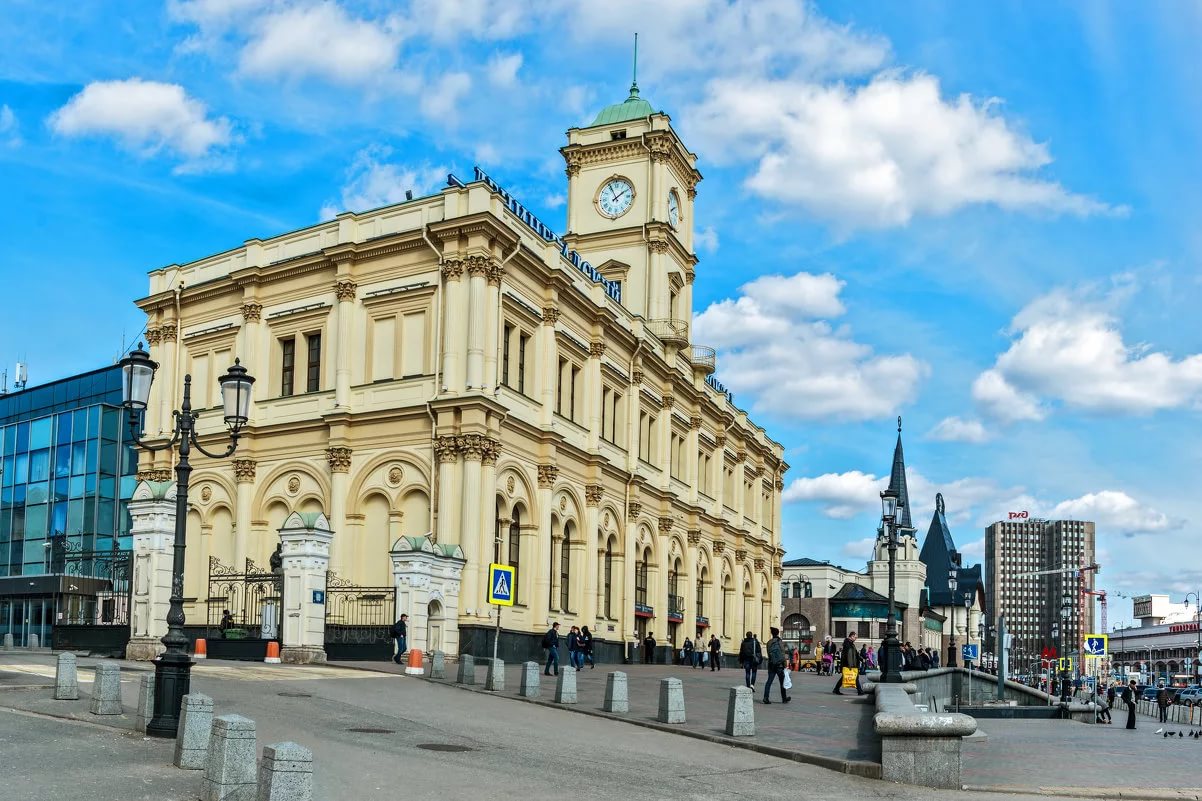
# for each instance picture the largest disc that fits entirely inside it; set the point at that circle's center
(982, 217)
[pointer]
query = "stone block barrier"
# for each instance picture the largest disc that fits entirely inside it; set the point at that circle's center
(145, 702)
(286, 773)
(495, 680)
(918, 747)
(195, 726)
(740, 712)
(34, 642)
(438, 665)
(530, 681)
(106, 690)
(66, 679)
(617, 695)
(467, 670)
(671, 701)
(230, 770)
(565, 686)
(8, 642)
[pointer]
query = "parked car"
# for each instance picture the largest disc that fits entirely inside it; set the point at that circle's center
(1149, 694)
(1190, 695)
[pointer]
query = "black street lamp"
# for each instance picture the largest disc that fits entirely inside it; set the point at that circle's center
(952, 584)
(1066, 609)
(173, 669)
(892, 658)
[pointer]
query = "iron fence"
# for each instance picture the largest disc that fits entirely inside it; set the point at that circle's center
(358, 619)
(244, 604)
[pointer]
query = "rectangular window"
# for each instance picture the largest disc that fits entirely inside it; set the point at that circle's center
(506, 378)
(313, 378)
(840, 628)
(563, 366)
(413, 344)
(383, 340)
(605, 411)
(576, 409)
(523, 341)
(864, 629)
(287, 366)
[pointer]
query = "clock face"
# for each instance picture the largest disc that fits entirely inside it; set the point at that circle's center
(615, 197)
(673, 209)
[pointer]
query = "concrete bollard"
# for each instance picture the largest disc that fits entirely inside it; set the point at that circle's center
(495, 680)
(286, 773)
(565, 686)
(145, 702)
(530, 680)
(8, 642)
(230, 773)
(616, 697)
(195, 725)
(34, 642)
(740, 712)
(66, 679)
(467, 670)
(106, 690)
(671, 701)
(438, 665)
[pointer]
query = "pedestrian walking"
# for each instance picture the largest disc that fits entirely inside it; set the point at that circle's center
(776, 666)
(851, 660)
(586, 648)
(1164, 699)
(575, 656)
(400, 631)
(687, 653)
(1129, 700)
(924, 659)
(649, 649)
(551, 646)
(715, 653)
(750, 657)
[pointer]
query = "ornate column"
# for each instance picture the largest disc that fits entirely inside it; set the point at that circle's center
(663, 548)
(740, 488)
(152, 513)
(588, 603)
(691, 558)
(490, 450)
(719, 474)
(168, 370)
(777, 523)
(540, 603)
(244, 481)
(471, 446)
(338, 457)
(548, 353)
(574, 159)
(305, 548)
(344, 291)
(446, 451)
(491, 333)
(592, 392)
(151, 425)
(454, 325)
(634, 419)
(664, 445)
(694, 451)
(477, 320)
(630, 557)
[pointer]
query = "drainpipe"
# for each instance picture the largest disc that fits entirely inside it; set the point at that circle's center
(496, 378)
(434, 488)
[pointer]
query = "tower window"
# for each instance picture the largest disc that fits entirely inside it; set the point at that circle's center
(618, 134)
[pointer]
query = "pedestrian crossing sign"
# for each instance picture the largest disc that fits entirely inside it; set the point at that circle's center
(500, 584)
(1096, 644)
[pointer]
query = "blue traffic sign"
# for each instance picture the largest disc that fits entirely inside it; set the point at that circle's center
(319, 596)
(500, 584)
(970, 652)
(1096, 644)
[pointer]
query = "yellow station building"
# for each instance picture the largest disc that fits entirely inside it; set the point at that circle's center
(451, 371)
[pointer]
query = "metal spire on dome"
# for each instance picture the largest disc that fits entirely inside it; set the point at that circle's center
(634, 75)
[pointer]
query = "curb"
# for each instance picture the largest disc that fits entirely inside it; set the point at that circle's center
(1112, 793)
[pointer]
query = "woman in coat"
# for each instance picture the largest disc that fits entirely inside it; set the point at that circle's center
(586, 648)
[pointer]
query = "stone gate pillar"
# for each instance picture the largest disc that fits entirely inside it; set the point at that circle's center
(152, 509)
(305, 549)
(428, 575)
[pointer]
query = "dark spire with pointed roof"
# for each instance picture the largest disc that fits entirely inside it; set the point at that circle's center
(897, 480)
(940, 556)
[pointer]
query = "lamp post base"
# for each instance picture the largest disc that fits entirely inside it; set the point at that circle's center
(172, 681)
(891, 651)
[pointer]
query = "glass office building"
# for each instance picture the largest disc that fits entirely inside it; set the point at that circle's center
(67, 472)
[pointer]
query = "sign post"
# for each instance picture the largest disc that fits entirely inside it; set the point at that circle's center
(500, 593)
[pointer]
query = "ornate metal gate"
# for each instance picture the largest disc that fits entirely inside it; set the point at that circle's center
(358, 620)
(244, 610)
(94, 598)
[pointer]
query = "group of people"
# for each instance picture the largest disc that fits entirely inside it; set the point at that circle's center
(751, 658)
(697, 657)
(829, 658)
(580, 648)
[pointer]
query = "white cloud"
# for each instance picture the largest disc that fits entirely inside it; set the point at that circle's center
(451, 20)
(774, 346)
(1115, 512)
(1067, 346)
(843, 495)
(706, 240)
(861, 548)
(879, 154)
(321, 41)
(956, 429)
(10, 128)
(555, 201)
(146, 117)
(373, 182)
(974, 550)
(442, 98)
(502, 70)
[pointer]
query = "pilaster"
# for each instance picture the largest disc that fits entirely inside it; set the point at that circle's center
(152, 513)
(305, 548)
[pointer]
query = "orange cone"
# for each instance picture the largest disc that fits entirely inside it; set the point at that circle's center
(415, 667)
(200, 649)
(273, 653)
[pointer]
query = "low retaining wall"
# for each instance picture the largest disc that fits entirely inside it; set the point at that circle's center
(918, 747)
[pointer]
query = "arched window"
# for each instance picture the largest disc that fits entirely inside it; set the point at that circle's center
(701, 592)
(565, 566)
(797, 589)
(640, 578)
(515, 550)
(727, 591)
(809, 590)
(609, 577)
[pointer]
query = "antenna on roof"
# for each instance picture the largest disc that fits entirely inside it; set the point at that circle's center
(899, 424)
(634, 76)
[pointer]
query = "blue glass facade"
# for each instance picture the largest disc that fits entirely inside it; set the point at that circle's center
(68, 468)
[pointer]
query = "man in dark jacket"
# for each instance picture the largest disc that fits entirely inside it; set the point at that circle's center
(1164, 699)
(776, 666)
(924, 660)
(750, 657)
(575, 655)
(551, 646)
(851, 659)
(400, 630)
(715, 653)
(649, 649)
(1129, 698)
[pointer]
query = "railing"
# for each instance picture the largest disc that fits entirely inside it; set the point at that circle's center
(670, 331)
(705, 357)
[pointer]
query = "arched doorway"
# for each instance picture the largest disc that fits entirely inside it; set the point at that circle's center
(434, 624)
(798, 634)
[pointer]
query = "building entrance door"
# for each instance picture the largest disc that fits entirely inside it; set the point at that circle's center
(434, 627)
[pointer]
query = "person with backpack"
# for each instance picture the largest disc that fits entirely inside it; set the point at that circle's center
(575, 657)
(400, 630)
(776, 666)
(551, 646)
(750, 657)
(586, 648)
(686, 656)
(715, 653)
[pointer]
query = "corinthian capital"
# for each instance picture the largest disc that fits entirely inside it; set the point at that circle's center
(339, 459)
(244, 470)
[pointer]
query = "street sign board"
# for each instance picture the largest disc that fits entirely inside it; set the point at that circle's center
(500, 584)
(1066, 663)
(319, 596)
(970, 652)
(1096, 645)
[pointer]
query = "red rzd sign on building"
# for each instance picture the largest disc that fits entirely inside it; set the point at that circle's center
(1019, 515)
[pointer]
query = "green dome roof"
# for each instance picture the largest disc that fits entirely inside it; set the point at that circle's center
(632, 108)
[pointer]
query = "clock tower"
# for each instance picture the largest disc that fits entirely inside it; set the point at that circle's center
(631, 187)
